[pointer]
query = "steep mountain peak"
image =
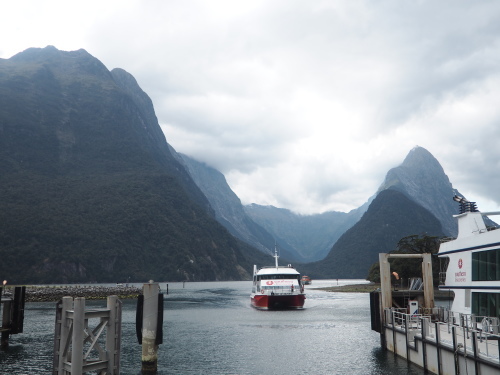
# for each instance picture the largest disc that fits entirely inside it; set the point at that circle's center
(420, 158)
(76, 63)
(423, 179)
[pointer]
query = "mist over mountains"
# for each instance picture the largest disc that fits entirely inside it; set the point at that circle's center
(414, 199)
(92, 191)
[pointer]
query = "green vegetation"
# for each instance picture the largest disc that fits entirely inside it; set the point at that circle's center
(409, 268)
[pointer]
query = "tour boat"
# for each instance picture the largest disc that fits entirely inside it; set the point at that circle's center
(277, 287)
(472, 262)
(306, 280)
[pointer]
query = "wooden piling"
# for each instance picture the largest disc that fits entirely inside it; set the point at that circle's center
(6, 323)
(149, 328)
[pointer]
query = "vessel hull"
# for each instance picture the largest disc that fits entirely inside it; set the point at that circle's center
(278, 302)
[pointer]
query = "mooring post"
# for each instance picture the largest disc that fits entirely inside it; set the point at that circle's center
(149, 327)
(77, 340)
(428, 282)
(113, 335)
(385, 281)
(67, 304)
(6, 324)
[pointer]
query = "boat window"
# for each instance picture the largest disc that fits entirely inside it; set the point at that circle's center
(486, 265)
(275, 277)
(486, 304)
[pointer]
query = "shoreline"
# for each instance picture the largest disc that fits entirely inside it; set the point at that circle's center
(55, 293)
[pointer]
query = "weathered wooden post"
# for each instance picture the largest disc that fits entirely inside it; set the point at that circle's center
(6, 322)
(77, 337)
(113, 336)
(61, 338)
(428, 281)
(150, 319)
(12, 314)
(385, 281)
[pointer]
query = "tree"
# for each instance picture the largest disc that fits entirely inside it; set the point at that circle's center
(408, 268)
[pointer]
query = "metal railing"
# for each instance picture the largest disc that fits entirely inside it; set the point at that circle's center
(464, 333)
(279, 289)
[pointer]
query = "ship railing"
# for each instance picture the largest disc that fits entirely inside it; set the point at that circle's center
(280, 289)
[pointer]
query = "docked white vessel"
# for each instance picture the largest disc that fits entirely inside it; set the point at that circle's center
(277, 287)
(473, 269)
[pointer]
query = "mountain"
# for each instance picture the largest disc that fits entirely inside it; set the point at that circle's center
(90, 190)
(391, 216)
(300, 238)
(415, 198)
(311, 237)
(228, 208)
(422, 178)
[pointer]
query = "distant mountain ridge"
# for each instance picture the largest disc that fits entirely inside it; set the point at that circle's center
(310, 236)
(228, 208)
(316, 239)
(391, 216)
(300, 238)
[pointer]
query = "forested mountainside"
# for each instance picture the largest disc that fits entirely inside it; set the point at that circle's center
(90, 189)
(230, 212)
(390, 217)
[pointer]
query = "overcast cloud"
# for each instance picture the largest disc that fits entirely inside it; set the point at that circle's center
(301, 104)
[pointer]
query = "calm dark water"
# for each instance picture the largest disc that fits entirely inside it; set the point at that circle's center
(210, 328)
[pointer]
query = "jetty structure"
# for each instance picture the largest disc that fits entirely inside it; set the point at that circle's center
(12, 313)
(464, 339)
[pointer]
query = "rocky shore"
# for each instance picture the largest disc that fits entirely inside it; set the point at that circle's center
(55, 293)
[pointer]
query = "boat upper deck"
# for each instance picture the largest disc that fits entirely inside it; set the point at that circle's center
(278, 271)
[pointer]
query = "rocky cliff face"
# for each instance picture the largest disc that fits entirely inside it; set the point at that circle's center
(228, 208)
(391, 216)
(422, 179)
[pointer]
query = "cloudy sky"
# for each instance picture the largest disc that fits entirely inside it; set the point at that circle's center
(301, 104)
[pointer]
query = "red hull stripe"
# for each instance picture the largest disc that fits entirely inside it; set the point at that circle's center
(269, 302)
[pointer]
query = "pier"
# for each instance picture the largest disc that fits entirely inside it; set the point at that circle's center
(438, 340)
(454, 346)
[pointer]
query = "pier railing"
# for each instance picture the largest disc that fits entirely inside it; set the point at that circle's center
(464, 334)
(79, 348)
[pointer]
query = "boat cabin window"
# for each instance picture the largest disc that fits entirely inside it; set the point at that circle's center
(486, 304)
(278, 277)
(486, 265)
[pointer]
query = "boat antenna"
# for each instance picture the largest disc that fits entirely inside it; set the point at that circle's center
(276, 255)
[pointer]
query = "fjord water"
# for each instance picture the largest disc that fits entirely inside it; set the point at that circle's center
(210, 328)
